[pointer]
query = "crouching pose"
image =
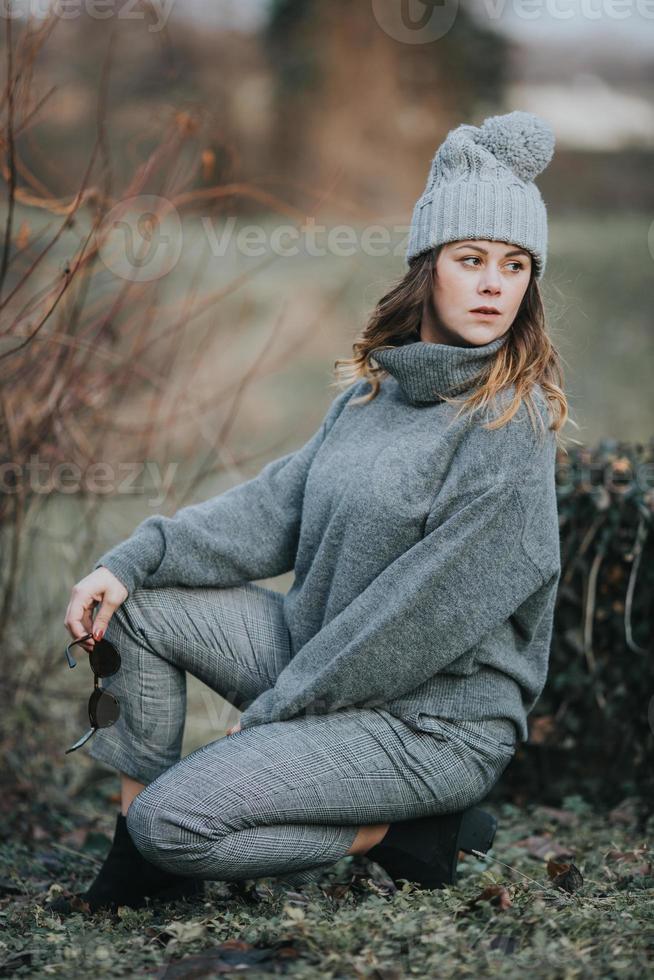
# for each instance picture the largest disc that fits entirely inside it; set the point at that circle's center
(384, 694)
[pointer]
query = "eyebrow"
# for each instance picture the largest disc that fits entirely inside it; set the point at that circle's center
(478, 248)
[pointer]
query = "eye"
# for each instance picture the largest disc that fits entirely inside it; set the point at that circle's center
(475, 258)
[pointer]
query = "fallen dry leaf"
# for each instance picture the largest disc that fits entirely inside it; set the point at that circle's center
(565, 876)
(496, 895)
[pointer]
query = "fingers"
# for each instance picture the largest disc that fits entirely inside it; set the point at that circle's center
(99, 589)
(104, 614)
(87, 621)
(78, 620)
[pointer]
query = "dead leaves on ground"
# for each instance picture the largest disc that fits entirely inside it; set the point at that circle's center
(544, 847)
(634, 863)
(226, 957)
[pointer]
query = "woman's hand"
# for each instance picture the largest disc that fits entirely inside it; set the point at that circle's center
(235, 728)
(101, 586)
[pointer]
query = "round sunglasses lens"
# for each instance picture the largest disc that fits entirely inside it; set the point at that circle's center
(105, 709)
(104, 659)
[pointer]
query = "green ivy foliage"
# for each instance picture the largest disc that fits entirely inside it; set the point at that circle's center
(592, 730)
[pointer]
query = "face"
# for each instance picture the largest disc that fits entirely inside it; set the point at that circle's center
(471, 274)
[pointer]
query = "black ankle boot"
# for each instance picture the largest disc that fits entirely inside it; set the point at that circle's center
(426, 850)
(127, 878)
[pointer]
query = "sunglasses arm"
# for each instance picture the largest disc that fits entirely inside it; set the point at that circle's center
(78, 744)
(69, 657)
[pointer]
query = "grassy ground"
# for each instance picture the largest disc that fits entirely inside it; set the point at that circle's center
(565, 893)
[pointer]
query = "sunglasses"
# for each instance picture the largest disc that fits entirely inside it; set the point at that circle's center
(104, 709)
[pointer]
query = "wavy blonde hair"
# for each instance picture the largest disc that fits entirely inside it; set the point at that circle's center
(527, 359)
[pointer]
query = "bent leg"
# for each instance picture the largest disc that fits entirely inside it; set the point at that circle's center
(235, 640)
(291, 795)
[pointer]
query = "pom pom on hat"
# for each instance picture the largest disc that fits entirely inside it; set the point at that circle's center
(521, 140)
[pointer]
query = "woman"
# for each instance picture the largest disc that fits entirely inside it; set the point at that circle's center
(384, 695)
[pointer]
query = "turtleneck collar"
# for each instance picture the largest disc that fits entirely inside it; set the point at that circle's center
(425, 371)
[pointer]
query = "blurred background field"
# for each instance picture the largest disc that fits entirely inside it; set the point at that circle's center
(597, 292)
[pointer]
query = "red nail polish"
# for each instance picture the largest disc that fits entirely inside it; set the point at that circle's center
(99, 634)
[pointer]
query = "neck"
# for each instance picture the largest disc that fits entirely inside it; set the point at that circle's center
(425, 371)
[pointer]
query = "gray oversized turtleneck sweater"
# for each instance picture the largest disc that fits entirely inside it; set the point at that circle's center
(425, 550)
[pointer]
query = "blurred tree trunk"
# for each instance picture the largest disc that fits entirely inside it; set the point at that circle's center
(361, 113)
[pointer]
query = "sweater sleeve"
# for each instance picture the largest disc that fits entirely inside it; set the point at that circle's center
(434, 602)
(248, 532)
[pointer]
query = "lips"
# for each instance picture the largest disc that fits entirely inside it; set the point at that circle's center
(486, 309)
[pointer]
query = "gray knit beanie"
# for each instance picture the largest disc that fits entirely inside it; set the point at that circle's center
(480, 186)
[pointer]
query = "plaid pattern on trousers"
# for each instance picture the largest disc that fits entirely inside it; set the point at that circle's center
(283, 799)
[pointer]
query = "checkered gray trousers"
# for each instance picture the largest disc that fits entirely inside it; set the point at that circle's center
(284, 799)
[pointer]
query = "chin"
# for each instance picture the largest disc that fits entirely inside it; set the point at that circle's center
(483, 334)
(474, 339)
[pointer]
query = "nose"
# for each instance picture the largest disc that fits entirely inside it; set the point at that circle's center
(489, 282)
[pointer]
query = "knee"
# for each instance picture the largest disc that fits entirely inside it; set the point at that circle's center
(141, 820)
(160, 838)
(184, 842)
